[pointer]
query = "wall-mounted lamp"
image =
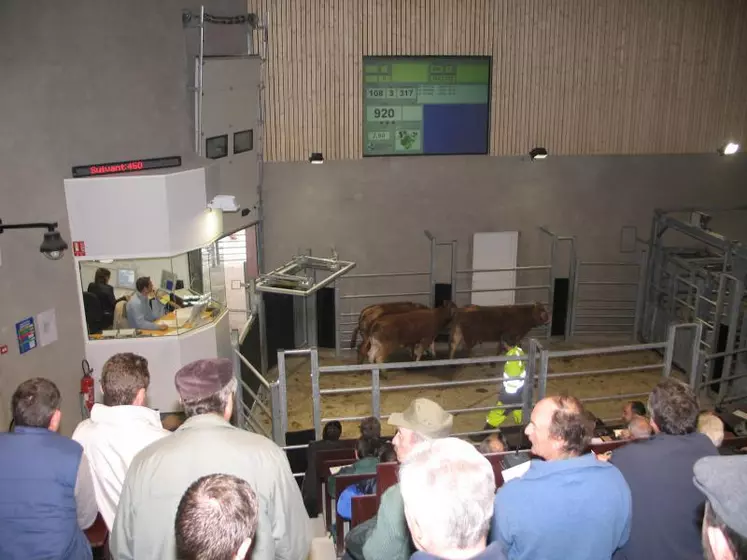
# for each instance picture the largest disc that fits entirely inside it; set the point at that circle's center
(53, 246)
(730, 149)
(538, 153)
(316, 157)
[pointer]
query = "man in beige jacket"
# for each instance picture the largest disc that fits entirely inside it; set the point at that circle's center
(205, 444)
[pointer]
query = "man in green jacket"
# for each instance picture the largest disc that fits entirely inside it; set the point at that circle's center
(386, 537)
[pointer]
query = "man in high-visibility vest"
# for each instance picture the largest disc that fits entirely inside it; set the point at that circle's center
(514, 374)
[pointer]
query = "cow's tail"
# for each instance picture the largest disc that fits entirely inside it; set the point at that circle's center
(354, 337)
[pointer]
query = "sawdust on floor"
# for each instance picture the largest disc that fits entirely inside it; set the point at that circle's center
(300, 406)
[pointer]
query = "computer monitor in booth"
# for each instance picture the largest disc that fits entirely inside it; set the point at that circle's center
(126, 278)
(168, 280)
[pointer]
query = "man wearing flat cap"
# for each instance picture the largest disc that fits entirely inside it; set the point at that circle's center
(386, 536)
(723, 481)
(206, 444)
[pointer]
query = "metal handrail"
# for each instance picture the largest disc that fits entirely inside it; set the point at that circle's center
(607, 350)
(403, 294)
(384, 274)
(601, 371)
(429, 363)
(254, 370)
(256, 398)
(513, 269)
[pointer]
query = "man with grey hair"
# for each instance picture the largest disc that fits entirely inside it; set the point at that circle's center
(448, 489)
(667, 506)
(205, 444)
(386, 537)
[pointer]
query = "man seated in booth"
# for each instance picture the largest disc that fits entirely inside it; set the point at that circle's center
(144, 308)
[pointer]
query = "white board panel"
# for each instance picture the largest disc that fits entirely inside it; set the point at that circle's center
(494, 250)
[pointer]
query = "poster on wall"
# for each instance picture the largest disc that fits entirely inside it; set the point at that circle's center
(26, 333)
(47, 324)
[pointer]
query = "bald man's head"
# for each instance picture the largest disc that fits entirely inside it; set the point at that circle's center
(639, 428)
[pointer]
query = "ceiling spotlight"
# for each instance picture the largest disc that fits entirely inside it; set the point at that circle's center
(538, 153)
(728, 150)
(53, 247)
(316, 157)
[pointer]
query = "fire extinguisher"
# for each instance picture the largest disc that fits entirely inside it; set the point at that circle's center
(87, 395)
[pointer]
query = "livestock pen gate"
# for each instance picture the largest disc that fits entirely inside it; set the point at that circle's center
(697, 275)
(534, 282)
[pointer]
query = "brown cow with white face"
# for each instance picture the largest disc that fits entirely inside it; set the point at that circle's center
(414, 329)
(505, 324)
(370, 314)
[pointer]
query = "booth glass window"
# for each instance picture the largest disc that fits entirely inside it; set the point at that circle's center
(177, 295)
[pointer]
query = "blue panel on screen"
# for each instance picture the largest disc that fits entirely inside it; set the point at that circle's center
(455, 129)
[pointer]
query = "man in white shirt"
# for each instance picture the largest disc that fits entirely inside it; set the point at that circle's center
(118, 429)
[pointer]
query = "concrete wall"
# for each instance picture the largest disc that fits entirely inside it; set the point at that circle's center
(83, 82)
(375, 210)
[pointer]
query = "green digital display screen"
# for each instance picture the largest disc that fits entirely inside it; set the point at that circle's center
(426, 105)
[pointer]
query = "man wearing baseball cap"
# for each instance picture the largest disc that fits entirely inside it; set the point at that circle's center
(206, 444)
(723, 481)
(386, 536)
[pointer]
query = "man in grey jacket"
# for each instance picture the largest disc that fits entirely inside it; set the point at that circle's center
(205, 444)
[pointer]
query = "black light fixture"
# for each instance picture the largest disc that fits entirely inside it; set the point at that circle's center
(316, 157)
(729, 149)
(53, 247)
(538, 153)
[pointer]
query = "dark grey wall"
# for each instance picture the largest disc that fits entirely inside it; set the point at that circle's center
(375, 210)
(82, 82)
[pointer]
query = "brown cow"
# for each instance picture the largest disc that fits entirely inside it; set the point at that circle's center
(505, 324)
(368, 317)
(414, 329)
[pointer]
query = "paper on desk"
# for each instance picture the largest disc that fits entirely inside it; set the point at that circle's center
(46, 327)
(516, 472)
(335, 470)
(741, 414)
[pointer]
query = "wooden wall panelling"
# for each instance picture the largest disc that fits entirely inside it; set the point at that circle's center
(577, 76)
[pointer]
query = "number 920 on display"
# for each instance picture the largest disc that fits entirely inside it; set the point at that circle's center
(383, 114)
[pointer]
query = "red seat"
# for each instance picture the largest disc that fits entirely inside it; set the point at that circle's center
(364, 508)
(387, 475)
(323, 455)
(496, 461)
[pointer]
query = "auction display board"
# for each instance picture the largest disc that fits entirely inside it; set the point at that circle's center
(426, 105)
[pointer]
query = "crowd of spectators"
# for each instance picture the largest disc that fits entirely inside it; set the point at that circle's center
(211, 491)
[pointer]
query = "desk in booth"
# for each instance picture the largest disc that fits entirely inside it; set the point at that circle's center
(167, 352)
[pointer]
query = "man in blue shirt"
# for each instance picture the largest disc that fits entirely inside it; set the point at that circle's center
(571, 505)
(143, 308)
